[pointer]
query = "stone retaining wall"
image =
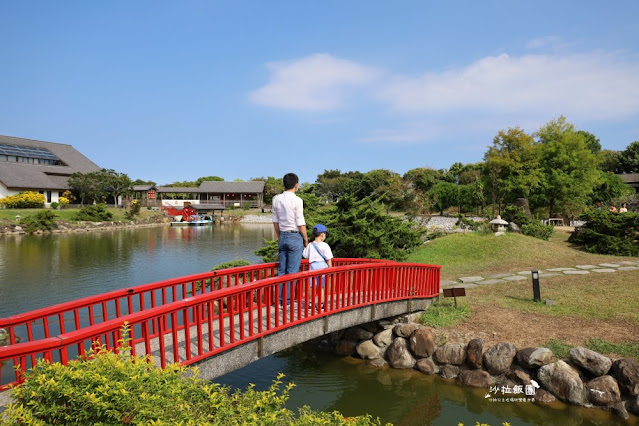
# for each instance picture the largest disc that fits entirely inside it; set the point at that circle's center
(83, 226)
(586, 378)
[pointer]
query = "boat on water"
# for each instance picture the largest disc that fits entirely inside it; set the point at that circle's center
(188, 217)
(195, 221)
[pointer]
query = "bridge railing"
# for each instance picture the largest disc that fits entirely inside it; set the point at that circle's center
(89, 311)
(204, 324)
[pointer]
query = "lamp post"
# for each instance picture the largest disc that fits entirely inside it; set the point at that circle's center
(536, 291)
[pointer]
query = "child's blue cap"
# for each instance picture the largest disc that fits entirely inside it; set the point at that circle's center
(319, 228)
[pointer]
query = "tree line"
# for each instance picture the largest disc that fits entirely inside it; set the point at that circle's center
(559, 169)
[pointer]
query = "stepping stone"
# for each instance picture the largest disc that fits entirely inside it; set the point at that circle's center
(609, 265)
(628, 262)
(515, 278)
(526, 272)
(605, 270)
(576, 272)
(448, 282)
(469, 285)
(560, 269)
(629, 268)
(502, 275)
(550, 274)
(585, 266)
(470, 279)
(488, 282)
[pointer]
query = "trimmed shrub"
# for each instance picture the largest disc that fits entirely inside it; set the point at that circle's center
(516, 214)
(538, 230)
(134, 210)
(55, 205)
(608, 233)
(231, 264)
(24, 200)
(94, 213)
(44, 220)
(63, 201)
(116, 388)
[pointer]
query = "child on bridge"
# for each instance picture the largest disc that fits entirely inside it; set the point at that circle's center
(319, 254)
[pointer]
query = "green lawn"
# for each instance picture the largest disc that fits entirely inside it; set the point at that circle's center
(611, 296)
(608, 300)
(482, 254)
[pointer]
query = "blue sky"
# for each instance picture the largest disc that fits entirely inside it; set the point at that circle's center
(167, 90)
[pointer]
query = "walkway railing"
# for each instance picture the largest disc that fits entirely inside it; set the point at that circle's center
(191, 318)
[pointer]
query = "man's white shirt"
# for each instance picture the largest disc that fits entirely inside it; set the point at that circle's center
(288, 211)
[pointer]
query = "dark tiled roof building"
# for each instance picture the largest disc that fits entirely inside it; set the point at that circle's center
(225, 194)
(31, 165)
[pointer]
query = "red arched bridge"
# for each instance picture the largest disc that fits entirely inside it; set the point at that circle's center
(231, 316)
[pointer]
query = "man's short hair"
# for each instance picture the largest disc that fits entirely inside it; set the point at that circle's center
(290, 180)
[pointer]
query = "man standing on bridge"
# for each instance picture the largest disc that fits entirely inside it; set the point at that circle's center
(290, 229)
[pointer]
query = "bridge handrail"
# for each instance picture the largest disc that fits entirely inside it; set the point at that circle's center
(124, 299)
(381, 288)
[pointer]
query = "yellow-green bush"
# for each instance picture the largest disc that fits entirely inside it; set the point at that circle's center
(63, 202)
(24, 200)
(110, 388)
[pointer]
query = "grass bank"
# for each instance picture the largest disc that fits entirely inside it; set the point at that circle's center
(598, 310)
(70, 213)
(482, 254)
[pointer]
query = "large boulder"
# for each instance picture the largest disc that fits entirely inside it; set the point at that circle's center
(633, 405)
(513, 227)
(451, 353)
(563, 381)
(357, 334)
(379, 362)
(499, 358)
(423, 342)
(345, 347)
(534, 357)
(603, 391)
(399, 355)
(427, 366)
(449, 371)
(474, 353)
(405, 330)
(590, 360)
(627, 373)
(518, 375)
(544, 396)
(383, 338)
(476, 378)
(368, 350)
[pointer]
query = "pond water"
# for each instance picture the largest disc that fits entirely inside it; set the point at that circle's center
(39, 271)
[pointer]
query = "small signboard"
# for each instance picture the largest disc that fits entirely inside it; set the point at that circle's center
(455, 292)
(150, 195)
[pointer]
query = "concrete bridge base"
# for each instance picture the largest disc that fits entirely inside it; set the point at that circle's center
(241, 356)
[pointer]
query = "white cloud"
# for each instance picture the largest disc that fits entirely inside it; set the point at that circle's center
(316, 82)
(542, 42)
(583, 86)
(408, 133)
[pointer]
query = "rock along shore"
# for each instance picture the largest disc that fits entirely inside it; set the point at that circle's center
(533, 374)
(84, 226)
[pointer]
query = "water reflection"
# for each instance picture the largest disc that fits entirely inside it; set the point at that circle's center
(38, 271)
(403, 397)
(42, 270)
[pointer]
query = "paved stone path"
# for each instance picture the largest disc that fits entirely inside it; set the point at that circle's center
(602, 268)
